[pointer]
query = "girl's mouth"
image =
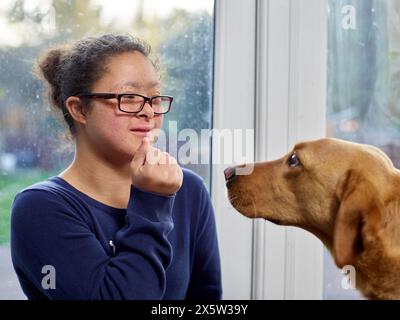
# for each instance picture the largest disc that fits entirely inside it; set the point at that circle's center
(142, 132)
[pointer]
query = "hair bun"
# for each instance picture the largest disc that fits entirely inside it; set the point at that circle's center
(50, 62)
(48, 67)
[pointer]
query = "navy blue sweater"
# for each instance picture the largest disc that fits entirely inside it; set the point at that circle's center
(160, 247)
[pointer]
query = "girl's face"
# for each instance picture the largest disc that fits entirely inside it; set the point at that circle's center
(111, 131)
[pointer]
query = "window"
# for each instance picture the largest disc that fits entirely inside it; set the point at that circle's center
(180, 32)
(363, 86)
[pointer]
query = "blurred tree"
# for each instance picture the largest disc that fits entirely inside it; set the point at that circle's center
(352, 58)
(77, 18)
(73, 18)
(393, 64)
(17, 12)
(357, 64)
(187, 57)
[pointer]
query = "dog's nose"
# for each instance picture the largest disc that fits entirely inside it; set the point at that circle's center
(229, 173)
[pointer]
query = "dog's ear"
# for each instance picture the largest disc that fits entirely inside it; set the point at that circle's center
(356, 218)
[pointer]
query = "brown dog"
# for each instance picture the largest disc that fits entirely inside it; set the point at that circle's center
(346, 194)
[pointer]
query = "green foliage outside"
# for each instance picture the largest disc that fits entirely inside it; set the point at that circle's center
(10, 185)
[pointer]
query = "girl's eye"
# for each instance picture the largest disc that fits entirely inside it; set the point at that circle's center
(293, 161)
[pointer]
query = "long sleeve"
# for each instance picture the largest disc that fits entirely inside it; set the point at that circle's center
(46, 231)
(205, 282)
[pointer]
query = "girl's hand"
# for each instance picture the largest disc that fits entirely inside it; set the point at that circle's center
(155, 171)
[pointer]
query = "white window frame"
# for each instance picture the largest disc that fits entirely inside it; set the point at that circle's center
(234, 100)
(270, 76)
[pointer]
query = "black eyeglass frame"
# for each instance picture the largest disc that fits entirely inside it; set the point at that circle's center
(119, 96)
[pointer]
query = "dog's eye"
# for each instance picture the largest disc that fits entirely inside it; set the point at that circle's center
(293, 160)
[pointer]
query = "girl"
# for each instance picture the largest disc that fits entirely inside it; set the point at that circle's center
(113, 225)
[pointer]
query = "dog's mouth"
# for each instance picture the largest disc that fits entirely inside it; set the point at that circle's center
(275, 221)
(239, 203)
(245, 205)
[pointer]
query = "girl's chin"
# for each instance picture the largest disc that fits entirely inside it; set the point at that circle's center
(138, 141)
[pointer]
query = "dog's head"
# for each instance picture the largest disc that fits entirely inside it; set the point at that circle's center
(340, 191)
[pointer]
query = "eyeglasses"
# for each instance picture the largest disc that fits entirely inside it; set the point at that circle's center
(134, 103)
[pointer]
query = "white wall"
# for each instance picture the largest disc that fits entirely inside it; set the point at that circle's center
(270, 76)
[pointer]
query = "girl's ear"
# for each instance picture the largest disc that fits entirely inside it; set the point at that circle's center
(76, 109)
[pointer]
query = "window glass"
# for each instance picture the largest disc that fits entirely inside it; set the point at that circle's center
(363, 88)
(32, 143)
